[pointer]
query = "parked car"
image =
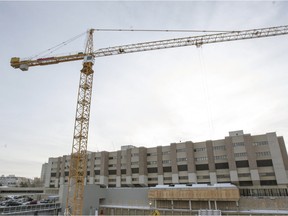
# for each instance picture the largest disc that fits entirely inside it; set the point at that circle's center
(33, 202)
(44, 201)
(13, 203)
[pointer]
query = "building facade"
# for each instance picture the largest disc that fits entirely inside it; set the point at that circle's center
(14, 181)
(256, 164)
(44, 172)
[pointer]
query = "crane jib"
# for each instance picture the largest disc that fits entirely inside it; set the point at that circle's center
(156, 45)
(193, 41)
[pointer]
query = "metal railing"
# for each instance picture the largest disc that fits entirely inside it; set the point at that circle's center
(29, 208)
(207, 212)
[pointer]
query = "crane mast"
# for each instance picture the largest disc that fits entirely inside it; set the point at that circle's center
(78, 161)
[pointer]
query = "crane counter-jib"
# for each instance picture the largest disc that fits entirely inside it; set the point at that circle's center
(25, 64)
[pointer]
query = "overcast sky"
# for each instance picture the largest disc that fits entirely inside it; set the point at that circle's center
(142, 99)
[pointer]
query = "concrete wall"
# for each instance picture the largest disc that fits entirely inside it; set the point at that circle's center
(126, 197)
(92, 195)
(275, 203)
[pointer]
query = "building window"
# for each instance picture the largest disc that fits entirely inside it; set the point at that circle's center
(263, 154)
(268, 182)
(151, 154)
(166, 153)
(181, 150)
(222, 166)
(152, 179)
(53, 174)
(223, 176)
(135, 163)
(267, 174)
(245, 183)
(241, 164)
(238, 144)
(167, 169)
(241, 154)
(182, 168)
(260, 143)
(181, 159)
(112, 172)
(200, 167)
(203, 177)
(264, 163)
(166, 161)
(151, 162)
(243, 174)
(199, 149)
(135, 170)
(201, 159)
(220, 157)
(123, 171)
(152, 170)
(97, 172)
(167, 178)
(215, 148)
(183, 177)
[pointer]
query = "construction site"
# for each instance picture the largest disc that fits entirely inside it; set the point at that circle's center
(241, 174)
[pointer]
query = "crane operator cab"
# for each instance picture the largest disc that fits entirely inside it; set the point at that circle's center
(88, 62)
(89, 58)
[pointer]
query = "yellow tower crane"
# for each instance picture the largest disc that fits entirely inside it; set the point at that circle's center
(77, 170)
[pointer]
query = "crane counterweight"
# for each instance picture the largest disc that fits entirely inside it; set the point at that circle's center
(15, 63)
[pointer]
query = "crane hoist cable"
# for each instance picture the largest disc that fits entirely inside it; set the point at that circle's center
(206, 92)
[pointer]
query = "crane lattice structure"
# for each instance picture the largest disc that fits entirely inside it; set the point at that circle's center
(78, 162)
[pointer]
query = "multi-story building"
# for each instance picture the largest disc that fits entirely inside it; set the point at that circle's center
(14, 181)
(44, 172)
(256, 164)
